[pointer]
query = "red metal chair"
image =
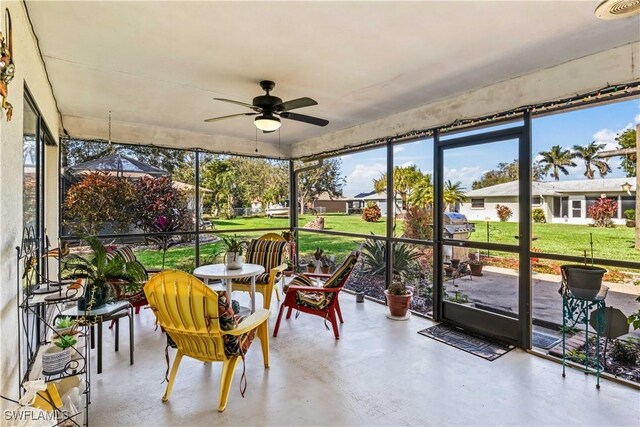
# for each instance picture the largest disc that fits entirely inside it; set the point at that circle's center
(306, 297)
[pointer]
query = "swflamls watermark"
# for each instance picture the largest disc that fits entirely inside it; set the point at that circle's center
(30, 414)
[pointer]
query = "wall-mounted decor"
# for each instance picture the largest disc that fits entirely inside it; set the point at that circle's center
(7, 67)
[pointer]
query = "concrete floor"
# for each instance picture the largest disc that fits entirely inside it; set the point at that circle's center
(381, 372)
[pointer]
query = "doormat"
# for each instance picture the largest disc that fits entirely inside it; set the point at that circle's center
(544, 341)
(467, 341)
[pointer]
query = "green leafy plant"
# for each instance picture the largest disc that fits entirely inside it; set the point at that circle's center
(630, 214)
(99, 269)
(504, 212)
(418, 223)
(602, 211)
(374, 257)
(457, 297)
(634, 319)
(318, 254)
(233, 244)
(569, 330)
(65, 341)
(64, 323)
(371, 213)
(538, 216)
(397, 287)
(624, 353)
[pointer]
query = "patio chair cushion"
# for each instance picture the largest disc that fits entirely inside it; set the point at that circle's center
(229, 319)
(317, 300)
(299, 280)
(267, 253)
(261, 279)
(339, 275)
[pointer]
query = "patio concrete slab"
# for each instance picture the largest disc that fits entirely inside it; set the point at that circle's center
(381, 372)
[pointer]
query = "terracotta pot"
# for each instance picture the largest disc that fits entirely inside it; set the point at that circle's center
(325, 270)
(398, 304)
(448, 271)
(631, 223)
(476, 269)
(310, 269)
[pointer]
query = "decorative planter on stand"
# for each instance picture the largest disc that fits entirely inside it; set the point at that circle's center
(476, 269)
(583, 281)
(55, 360)
(398, 305)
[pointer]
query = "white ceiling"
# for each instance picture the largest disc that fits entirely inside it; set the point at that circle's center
(159, 64)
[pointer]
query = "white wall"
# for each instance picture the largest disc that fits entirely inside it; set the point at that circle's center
(489, 210)
(29, 71)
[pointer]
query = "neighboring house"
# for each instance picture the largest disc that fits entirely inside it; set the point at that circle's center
(331, 205)
(561, 201)
(355, 204)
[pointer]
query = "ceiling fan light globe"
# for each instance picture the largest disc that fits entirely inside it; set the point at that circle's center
(267, 123)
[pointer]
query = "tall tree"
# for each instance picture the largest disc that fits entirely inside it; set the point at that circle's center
(326, 178)
(588, 154)
(507, 172)
(405, 178)
(422, 194)
(627, 139)
(453, 194)
(557, 160)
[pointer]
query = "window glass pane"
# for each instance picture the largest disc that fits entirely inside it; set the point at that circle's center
(477, 203)
(30, 164)
(345, 193)
(126, 189)
(238, 192)
(413, 189)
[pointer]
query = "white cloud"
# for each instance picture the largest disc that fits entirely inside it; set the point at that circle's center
(360, 180)
(636, 120)
(398, 149)
(407, 164)
(465, 175)
(607, 137)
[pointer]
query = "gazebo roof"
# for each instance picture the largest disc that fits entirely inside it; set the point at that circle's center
(119, 164)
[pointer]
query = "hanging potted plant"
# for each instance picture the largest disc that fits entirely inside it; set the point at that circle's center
(234, 249)
(398, 299)
(97, 271)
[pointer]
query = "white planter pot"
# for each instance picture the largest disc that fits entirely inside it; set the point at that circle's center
(233, 260)
(55, 359)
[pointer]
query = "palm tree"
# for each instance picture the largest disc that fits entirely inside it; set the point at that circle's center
(589, 153)
(453, 194)
(556, 159)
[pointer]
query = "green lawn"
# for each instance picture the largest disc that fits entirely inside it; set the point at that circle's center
(567, 239)
(610, 243)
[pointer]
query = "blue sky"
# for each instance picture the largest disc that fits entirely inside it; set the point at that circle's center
(600, 124)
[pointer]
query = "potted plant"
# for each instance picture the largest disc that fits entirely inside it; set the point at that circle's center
(56, 357)
(98, 270)
(398, 299)
(455, 263)
(448, 271)
(289, 271)
(583, 281)
(630, 214)
(234, 248)
(64, 326)
(311, 267)
(475, 265)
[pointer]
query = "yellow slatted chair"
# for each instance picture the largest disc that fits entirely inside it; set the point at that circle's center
(272, 252)
(201, 323)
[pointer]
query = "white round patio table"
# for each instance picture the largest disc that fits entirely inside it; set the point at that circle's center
(220, 271)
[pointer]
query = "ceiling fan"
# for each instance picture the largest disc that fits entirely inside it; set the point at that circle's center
(268, 108)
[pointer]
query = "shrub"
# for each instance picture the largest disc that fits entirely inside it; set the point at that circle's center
(624, 353)
(371, 213)
(504, 212)
(538, 215)
(630, 214)
(602, 211)
(97, 199)
(418, 223)
(374, 257)
(159, 206)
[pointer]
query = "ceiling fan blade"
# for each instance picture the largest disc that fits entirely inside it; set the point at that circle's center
(304, 118)
(295, 103)
(244, 104)
(215, 119)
